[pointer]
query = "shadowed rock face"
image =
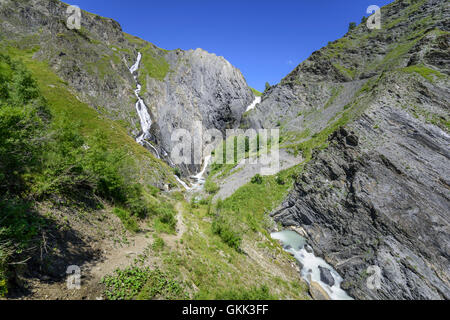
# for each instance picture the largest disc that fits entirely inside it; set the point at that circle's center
(95, 62)
(379, 194)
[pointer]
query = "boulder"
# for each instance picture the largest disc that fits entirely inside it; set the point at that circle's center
(326, 276)
(317, 292)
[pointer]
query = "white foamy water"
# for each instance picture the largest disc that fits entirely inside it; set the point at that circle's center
(199, 177)
(184, 184)
(135, 66)
(141, 108)
(145, 118)
(295, 244)
(254, 103)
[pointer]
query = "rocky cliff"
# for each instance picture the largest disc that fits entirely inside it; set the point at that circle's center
(179, 87)
(376, 192)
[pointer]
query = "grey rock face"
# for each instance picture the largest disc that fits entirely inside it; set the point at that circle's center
(329, 81)
(364, 209)
(200, 87)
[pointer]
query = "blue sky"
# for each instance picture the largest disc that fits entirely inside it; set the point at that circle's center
(264, 39)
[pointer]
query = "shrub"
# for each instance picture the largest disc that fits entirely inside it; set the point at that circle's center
(254, 293)
(142, 284)
(351, 26)
(279, 179)
(154, 191)
(165, 217)
(128, 221)
(205, 202)
(257, 179)
(225, 231)
(211, 187)
(177, 172)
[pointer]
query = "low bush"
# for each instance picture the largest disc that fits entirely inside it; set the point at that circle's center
(211, 187)
(165, 217)
(279, 179)
(130, 223)
(257, 179)
(226, 232)
(255, 293)
(142, 284)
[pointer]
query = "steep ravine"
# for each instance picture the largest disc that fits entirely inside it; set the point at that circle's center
(373, 109)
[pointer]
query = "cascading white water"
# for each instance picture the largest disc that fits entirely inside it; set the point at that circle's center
(144, 116)
(199, 178)
(254, 103)
(184, 184)
(295, 244)
(141, 108)
(200, 175)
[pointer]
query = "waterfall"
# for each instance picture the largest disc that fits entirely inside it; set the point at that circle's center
(200, 181)
(254, 103)
(141, 108)
(200, 175)
(146, 123)
(144, 116)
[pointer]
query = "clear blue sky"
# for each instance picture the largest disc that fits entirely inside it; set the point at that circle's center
(264, 39)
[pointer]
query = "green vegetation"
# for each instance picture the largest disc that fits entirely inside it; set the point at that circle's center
(256, 93)
(351, 26)
(142, 284)
(227, 232)
(428, 73)
(52, 146)
(211, 187)
(255, 293)
(252, 202)
(165, 217)
(211, 261)
(158, 244)
(127, 219)
(257, 179)
(153, 63)
(335, 92)
(349, 73)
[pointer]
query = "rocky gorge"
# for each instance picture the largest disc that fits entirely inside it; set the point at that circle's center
(376, 192)
(363, 182)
